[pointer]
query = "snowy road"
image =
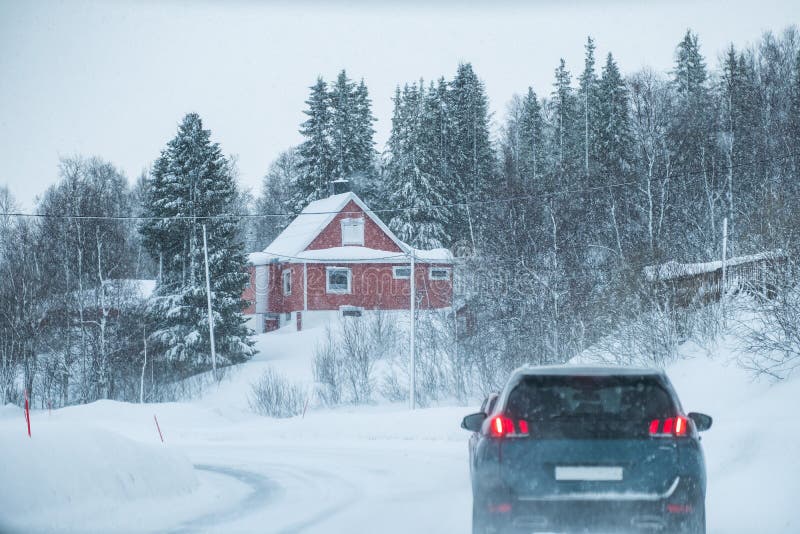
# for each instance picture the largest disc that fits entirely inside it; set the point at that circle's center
(336, 487)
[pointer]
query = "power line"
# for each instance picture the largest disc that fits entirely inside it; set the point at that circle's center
(538, 195)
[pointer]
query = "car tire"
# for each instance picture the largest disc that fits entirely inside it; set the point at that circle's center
(696, 523)
(478, 518)
(481, 523)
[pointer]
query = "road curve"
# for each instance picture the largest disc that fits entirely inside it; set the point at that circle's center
(262, 491)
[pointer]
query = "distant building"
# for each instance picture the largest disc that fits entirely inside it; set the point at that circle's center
(338, 256)
(687, 284)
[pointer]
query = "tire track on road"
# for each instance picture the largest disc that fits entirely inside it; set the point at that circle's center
(263, 490)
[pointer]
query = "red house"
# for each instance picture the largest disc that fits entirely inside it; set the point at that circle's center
(338, 256)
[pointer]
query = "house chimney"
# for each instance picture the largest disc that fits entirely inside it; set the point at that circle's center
(340, 186)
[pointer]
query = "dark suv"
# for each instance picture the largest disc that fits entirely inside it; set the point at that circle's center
(588, 449)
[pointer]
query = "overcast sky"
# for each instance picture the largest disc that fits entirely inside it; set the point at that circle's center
(113, 79)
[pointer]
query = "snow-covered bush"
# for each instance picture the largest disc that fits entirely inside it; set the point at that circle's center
(358, 355)
(438, 371)
(394, 386)
(328, 372)
(771, 338)
(275, 396)
(344, 362)
(650, 338)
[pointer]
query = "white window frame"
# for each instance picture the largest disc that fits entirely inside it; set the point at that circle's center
(284, 279)
(328, 288)
(446, 269)
(401, 277)
(353, 222)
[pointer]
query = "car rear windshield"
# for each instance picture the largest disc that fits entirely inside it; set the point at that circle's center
(590, 406)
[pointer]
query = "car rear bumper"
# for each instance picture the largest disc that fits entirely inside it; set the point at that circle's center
(592, 516)
(669, 511)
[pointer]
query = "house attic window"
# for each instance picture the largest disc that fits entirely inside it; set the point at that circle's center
(353, 231)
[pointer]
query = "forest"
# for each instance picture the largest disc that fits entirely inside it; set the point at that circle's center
(553, 210)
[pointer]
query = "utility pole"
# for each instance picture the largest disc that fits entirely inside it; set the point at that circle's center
(144, 366)
(413, 294)
(210, 314)
(723, 290)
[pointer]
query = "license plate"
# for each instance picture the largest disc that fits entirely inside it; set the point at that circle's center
(592, 473)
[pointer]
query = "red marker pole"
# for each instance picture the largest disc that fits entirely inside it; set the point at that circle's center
(27, 413)
(159, 428)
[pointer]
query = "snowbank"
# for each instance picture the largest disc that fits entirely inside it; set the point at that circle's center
(752, 450)
(67, 473)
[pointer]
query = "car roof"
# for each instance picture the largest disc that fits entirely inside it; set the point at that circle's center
(585, 370)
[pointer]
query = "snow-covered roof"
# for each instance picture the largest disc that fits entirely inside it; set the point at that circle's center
(434, 255)
(352, 253)
(672, 269)
(357, 254)
(291, 244)
(308, 224)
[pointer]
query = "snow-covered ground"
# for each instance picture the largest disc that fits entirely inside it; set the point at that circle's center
(103, 468)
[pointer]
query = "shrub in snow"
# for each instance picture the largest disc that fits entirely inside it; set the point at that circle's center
(274, 396)
(357, 356)
(772, 338)
(328, 373)
(187, 388)
(344, 362)
(394, 386)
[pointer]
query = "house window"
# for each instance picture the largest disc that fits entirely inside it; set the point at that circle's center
(439, 273)
(353, 231)
(401, 273)
(287, 282)
(338, 280)
(351, 311)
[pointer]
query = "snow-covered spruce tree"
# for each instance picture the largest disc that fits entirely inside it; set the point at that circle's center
(564, 115)
(412, 180)
(190, 184)
(352, 136)
(531, 129)
(588, 106)
(362, 144)
(472, 156)
(614, 154)
(364, 175)
(342, 99)
(316, 151)
(338, 141)
(691, 139)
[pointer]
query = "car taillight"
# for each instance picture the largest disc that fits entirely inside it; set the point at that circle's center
(671, 426)
(501, 508)
(502, 426)
(679, 508)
